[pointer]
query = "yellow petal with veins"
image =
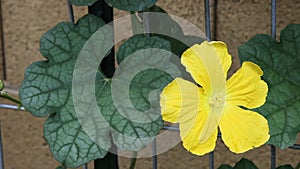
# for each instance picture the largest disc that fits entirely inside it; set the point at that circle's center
(243, 130)
(204, 64)
(194, 146)
(224, 56)
(191, 131)
(211, 123)
(208, 64)
(245, 87)
(179, 101)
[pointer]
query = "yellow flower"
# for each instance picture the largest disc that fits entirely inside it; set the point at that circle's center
(217, 103)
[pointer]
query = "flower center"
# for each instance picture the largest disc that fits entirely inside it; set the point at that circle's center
(216, 101)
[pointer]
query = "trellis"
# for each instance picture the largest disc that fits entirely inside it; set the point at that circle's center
(107, 16)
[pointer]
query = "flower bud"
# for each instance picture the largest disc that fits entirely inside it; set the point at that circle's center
(1, 85)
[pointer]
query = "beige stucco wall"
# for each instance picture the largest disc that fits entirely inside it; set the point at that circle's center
(25, 21)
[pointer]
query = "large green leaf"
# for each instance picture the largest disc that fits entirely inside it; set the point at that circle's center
(158, 21)
(83, 2)
(140, 42)
(138, 82)
(242, 164)
(76, 131)
(160, 24)
(280, 62)
(245, 164)
(285, 167)
(225, 166)
(69, 143)
(46, 86)
(61, 167)
(46, 91)
(131, 5)
(127, 134)
(298, 165)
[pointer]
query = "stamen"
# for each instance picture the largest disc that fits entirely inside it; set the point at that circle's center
(217, 101)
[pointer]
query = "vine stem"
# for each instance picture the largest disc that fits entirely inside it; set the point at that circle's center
(6, 96)
(133, 160)
(101, 9)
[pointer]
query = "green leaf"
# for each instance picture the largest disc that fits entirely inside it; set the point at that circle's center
(83, 2)
(61, 167)
(127, 134)
(225, 166)
(51, 88)
(164, 26)
(280, 62)
(285, 167)
(131, 5)
(298, 165)
(46, 86)
(183, 43)
(140, 42)
(242, 164)
(168, 29)
(137, 84)
(69, 143)
(46, 91)
(245, 164)
(143, 84)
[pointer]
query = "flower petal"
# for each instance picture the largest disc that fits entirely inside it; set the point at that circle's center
(179, 101)
(245, 87)
(192, 144)
(243, 130)
(204, 64)
(193, 132)
(224, 56)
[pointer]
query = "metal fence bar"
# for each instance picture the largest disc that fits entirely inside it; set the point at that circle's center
(208, 36)
(11, 107)
(2, 43)
(154, 157)
(273, 157)
(207, 20)
(212, 160)
(70, 11)
(71, 18)
(273, 18)
(273, 34)
(105, 12)
(171, 128)
(295, 146)
(1, 151)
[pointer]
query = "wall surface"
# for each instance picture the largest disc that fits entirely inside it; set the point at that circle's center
(24, 21)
